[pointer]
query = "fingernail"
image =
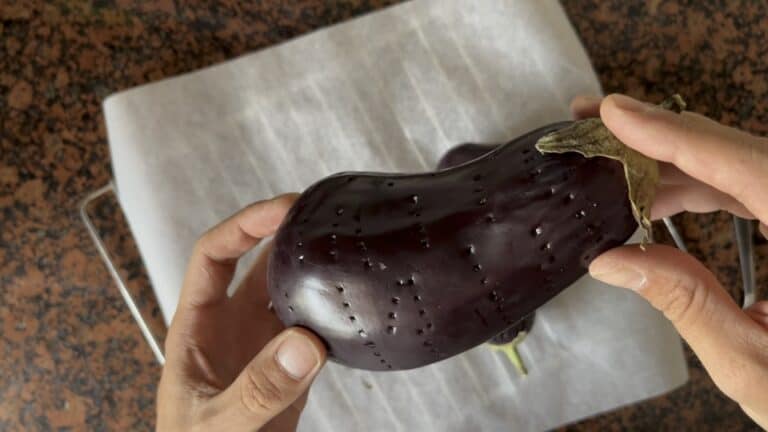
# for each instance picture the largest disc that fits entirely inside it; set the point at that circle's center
(296, 356)
(626, 103)
(617, 274)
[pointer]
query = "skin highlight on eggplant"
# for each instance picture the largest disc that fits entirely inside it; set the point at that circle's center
(400, 271)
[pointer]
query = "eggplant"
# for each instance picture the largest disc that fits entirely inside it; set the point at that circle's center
(514, 334)
(397, 271)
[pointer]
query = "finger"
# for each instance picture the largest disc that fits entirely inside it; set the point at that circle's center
(763, 229)
(727, 341)
(289, 420)
(253, 288)
(725, 158)
(670, 174)
(279, 375)
(759, 313)
(585, 107)
(215, 255)
(697, 198)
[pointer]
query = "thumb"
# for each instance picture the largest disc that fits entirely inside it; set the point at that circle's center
(271, 382)
(729, 344)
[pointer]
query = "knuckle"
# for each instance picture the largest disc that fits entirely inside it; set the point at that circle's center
(682, 299)
(260, 392)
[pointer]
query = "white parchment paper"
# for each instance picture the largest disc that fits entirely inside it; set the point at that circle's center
(390, 91)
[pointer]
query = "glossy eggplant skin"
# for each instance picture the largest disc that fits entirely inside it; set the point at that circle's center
(400, 271)
(459, 155)
(464, 153)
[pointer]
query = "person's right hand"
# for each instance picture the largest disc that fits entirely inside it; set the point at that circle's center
(705, 167)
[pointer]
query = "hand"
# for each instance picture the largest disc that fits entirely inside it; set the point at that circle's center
(230, 366)
(704, 167)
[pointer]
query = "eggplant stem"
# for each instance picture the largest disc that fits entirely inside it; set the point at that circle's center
(590, 138)
(510, 350)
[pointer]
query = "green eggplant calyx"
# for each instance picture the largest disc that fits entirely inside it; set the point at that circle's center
(510, 350)
(591, 138)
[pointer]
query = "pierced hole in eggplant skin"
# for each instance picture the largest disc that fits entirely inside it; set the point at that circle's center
(346, 305)
(392, 315)
(362, 333)
(477, 267)
(395, 300)
(391, 330)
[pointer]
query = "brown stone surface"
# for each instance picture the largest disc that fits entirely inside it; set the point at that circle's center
(71, 357)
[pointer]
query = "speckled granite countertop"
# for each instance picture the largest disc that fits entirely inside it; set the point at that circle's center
(71, 357)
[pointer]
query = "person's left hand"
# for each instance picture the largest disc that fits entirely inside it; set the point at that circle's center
(230, 366)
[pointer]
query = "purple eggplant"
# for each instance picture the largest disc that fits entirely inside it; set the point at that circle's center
(399, 271)
(459, 155)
